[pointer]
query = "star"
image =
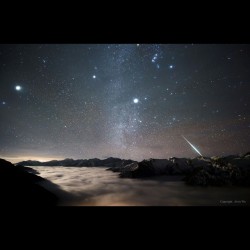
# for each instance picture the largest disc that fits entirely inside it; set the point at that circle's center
(136, 100)
(144, 98)
(18, 87)
(154, 58)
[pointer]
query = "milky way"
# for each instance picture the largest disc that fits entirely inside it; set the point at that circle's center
(123, 100)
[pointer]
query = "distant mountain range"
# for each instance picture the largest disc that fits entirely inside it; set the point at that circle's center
(117, 162)
(109, 162)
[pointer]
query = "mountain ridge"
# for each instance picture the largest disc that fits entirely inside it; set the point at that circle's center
(94, 162)
(110, 160)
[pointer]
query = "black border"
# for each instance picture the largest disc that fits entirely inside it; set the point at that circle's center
(191, 30)
(147, 22)
(181, 220)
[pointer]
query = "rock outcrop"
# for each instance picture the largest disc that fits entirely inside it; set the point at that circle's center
(20, 186)
(202, 171)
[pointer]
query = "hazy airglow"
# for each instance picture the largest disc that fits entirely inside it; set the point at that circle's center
(16, 159)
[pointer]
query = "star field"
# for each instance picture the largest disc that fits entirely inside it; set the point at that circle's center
(123, 100)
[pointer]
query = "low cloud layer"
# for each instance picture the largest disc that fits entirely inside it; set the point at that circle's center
(96, 186)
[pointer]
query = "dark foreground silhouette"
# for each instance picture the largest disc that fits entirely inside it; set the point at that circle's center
(21, 186)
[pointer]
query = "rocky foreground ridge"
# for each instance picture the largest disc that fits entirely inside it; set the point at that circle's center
(202, 171)
(21, 186)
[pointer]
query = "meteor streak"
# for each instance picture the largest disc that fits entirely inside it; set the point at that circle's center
(192, 146)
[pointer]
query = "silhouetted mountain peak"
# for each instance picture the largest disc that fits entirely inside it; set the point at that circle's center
(20, 185)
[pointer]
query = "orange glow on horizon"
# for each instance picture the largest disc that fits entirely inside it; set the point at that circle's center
(16, 159)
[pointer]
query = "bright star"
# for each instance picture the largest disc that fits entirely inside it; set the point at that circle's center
(3, 103)
(136, 100)
(18, 87)
(94, 76)
(171, 66)
(154, 58)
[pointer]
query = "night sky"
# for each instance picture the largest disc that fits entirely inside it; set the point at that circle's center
(132, 101)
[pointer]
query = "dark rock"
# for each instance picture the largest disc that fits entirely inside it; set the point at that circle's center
(137, 170)
(18, 186)
(27, 169)
(202, 171)
(221, 173)
(247, 155)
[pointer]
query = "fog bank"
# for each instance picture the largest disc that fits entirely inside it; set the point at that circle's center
(96, 186)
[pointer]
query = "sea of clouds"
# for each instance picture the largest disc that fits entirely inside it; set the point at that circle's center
(97, 186)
